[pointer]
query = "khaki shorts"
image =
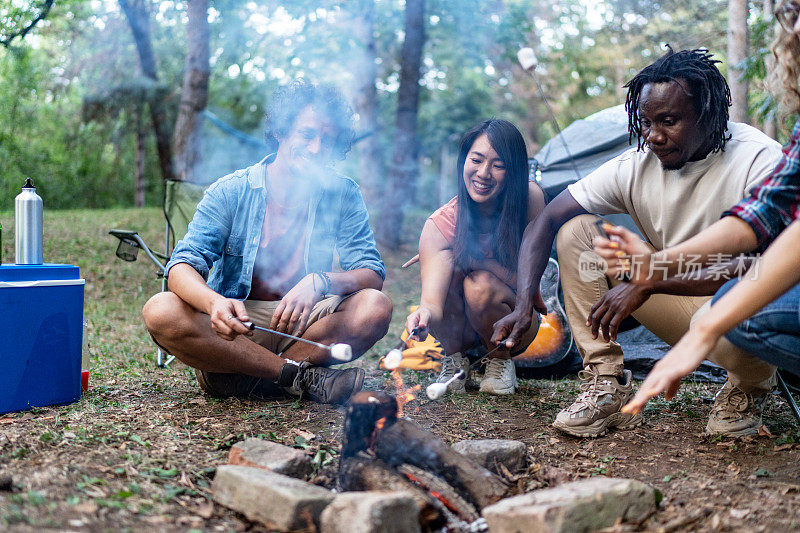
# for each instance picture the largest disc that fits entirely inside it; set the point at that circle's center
(260, 313)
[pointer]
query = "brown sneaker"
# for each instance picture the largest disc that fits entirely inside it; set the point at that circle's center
(597, 407)
(451, 364)
(735, 413)
(321, 384)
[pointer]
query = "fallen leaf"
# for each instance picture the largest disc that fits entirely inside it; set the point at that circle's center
(205, 510)
(739, 513)
(86, 507)
(307, 435)
(764, 432)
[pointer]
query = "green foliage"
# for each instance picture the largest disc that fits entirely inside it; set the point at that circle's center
(72, 96)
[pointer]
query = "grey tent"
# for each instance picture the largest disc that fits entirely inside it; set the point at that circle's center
(592, 141)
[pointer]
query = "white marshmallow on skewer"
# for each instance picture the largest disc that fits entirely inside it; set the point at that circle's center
(527, 58)
(393, 359)
(437, 390)
(341, 352)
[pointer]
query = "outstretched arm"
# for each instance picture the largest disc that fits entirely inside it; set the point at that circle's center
(436, 270)
(774, 273)
(534, 252)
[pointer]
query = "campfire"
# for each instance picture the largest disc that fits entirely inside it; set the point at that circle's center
(382, 451)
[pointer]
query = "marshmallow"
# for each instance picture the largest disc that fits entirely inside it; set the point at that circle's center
(527, 58)
(393, 359)
(341, 352)
(436, 390)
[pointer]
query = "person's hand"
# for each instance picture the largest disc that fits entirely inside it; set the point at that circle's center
(509, 329)
(666, 375)
(419, 320)
(615, 306)
(227, 316)
(623, 251)
(291, 315)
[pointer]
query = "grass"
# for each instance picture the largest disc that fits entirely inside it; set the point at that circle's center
(140, 448)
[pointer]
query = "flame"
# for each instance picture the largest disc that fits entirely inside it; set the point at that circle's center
(380, 423)
(433, 493)
(404, 395)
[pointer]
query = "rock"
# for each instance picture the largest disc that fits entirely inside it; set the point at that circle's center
(584, 505)
(491, 452)
(277, 501)
(271, 456)
(371, 512)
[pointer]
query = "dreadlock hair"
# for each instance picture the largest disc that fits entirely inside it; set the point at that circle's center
(709, 91)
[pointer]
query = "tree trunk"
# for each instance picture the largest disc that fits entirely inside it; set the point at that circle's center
(737, 52)
(370, 154)
(769, 126)
(186, 138)
(139, 181)
(139, 22)
(404, 166)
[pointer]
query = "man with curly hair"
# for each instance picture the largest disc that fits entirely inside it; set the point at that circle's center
(260, 249)
(690, 165)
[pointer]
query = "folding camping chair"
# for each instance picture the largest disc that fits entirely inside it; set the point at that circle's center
(179, 205)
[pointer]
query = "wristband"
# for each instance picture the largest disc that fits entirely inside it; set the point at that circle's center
(326, 280)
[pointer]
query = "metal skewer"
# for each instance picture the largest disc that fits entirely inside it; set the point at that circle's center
(340, 351)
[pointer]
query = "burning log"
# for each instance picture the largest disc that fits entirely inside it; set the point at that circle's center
(367, 473)
(363, 412)
(371, 424)
(404, 442)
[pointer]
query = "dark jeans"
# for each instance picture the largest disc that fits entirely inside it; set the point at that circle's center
(773, 333)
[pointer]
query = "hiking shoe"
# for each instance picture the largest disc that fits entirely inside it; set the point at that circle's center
(597, 407)
(735, 413)
(226, 385)
(451, 364)
(500, 377)
(319, 383)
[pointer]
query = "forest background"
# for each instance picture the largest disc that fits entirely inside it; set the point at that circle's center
(101, 100)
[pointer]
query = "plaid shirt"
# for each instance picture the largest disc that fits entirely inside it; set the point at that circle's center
(775, 203)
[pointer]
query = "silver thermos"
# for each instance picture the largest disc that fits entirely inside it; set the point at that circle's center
(28, 217)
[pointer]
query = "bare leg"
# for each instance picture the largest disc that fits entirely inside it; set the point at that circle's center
(360, 321)
(453, 331)
(488, 299)
(187, 334)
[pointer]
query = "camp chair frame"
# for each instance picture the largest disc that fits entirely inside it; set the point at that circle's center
(178, 205)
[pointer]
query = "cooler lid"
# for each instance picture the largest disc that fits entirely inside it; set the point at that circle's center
(47, 271)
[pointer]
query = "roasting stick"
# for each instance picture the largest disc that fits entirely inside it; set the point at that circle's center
(339, 351)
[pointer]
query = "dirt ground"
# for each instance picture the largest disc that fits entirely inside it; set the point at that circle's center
(143, 457)
(139, 450)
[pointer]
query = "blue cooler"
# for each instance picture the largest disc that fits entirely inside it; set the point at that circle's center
(41, 333)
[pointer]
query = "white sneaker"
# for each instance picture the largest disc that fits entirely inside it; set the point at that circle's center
(451, 364)
(500, 377)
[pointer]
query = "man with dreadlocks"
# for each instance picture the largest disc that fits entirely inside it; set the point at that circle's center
(690, 165)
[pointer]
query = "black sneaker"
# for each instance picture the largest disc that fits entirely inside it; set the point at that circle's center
(226, 385)
(321, 384)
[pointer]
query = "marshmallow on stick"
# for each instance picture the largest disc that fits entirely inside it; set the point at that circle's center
(527, 58)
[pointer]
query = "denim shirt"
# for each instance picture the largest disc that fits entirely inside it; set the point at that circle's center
(224, 235)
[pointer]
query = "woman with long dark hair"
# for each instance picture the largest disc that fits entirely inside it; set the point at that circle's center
(468, 254)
